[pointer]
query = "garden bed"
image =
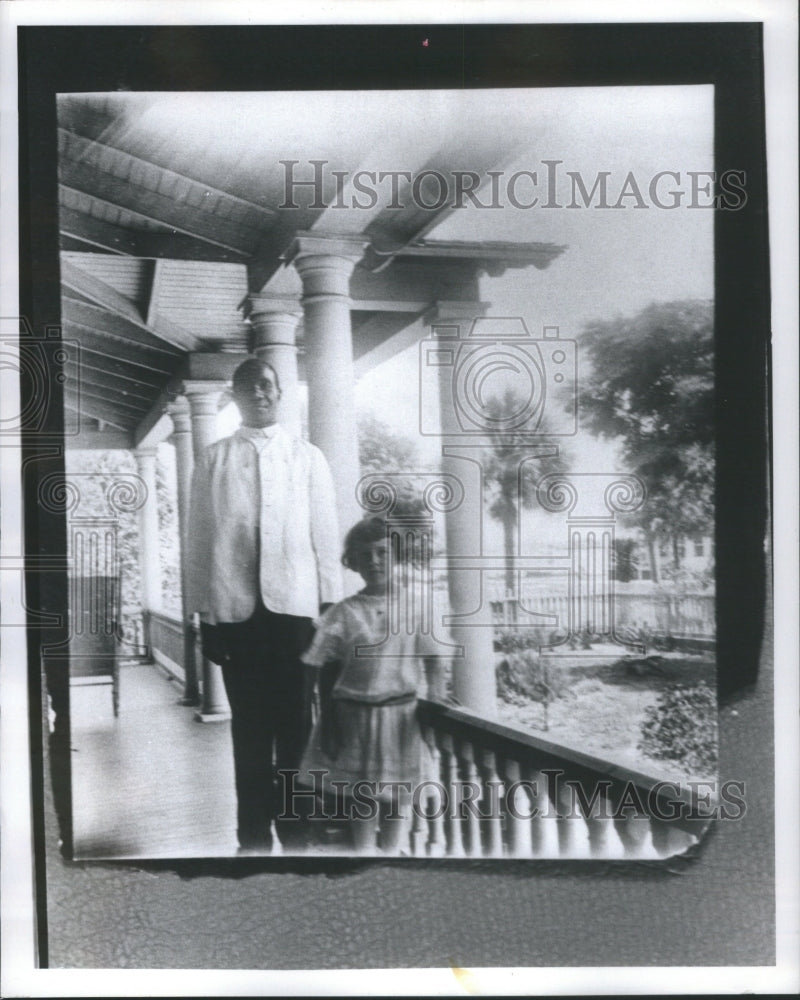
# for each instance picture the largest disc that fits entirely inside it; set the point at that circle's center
(602, 704)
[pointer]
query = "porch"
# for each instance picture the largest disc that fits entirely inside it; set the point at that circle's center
(153, 783)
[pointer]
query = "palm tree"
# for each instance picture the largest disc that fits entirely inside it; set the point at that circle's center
(513, 463)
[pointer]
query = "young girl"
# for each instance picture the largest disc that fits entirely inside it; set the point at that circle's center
(368, 730)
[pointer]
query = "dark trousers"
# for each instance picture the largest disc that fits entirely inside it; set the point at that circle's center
(269, 692)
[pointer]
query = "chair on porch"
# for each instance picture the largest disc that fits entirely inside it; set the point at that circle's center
(94, 642)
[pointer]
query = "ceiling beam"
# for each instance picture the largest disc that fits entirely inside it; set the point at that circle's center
(102, 294)
(144, 203)
(97, 410)
(119, 348)
(393, 229)
(96, 232)
(82, 148)
(108, 236)
(82, 392)
(382, 337)
(494, 256)
(113, 368)
(415, 281)
(106, 382)
(98, 291)
(112, 324)
(156, 273)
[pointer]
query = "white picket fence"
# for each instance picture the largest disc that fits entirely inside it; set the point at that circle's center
(689, 615)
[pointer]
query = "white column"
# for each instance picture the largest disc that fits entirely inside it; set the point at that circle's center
(184, 463)
(203, 400)
(274, 322)
(473, 675)
(203, 397)
(325, 265)
(149, 565)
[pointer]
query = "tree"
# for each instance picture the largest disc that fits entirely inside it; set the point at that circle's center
(624, 559)
(509, 480)
(651, 385)
(381, 450)
(168, 540)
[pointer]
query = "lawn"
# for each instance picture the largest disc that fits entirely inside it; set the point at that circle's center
(602, 702)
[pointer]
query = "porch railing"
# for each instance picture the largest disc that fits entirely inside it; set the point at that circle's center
(165, 636)
(497, 792)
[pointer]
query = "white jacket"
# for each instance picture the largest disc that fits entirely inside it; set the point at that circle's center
(262, 491)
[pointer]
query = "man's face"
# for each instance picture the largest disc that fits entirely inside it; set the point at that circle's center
(256, 395)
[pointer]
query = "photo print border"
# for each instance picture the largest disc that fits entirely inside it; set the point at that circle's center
(383, 57)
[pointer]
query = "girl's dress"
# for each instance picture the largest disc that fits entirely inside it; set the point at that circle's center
(372, 708)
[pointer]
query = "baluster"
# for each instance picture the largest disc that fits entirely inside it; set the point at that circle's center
(455, 848)
(493, 792)
(419, 835)
(520, 840)
(436, 844)
(670, 840)
(417, 801)
(544, 824)
(636, 834)
(572, 829)
(604, 841)
(471, 797)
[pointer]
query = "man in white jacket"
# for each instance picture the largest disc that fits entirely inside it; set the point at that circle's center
(263, 562)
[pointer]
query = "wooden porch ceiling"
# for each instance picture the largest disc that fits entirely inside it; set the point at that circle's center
(173, 209)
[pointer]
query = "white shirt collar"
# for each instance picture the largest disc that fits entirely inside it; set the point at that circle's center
(258, 433)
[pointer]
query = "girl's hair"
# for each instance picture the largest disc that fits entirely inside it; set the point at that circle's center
(371, 529)
(375, 528)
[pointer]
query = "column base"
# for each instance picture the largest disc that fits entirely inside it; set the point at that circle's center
(212, 716)
(189, 700)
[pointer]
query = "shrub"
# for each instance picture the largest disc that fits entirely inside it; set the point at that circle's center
(524, 676)
(682, 726)
(509, 640)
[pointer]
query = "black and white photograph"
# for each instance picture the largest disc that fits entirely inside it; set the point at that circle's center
(323, 354)
(394, 443)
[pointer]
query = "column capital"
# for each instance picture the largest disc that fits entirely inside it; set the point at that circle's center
(273, 321)
(145, 453)
(308, 244)
(325, 264)
(203, 395)
(180, 415)
(259, 304)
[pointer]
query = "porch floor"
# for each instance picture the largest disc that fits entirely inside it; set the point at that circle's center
(153, 782)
